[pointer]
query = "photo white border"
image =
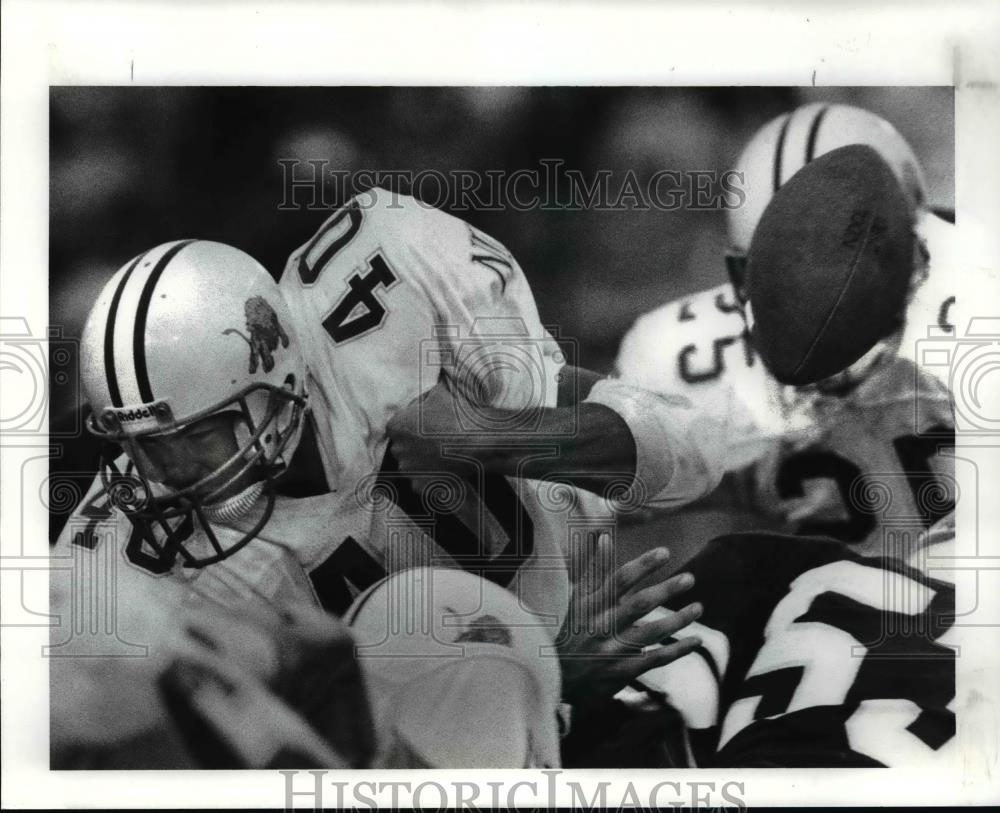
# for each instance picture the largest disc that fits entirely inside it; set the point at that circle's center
(112, 43)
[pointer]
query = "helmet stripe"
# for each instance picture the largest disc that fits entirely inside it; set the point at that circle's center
(778, 150)
(142, 310)
(814, 132)
(109, 336)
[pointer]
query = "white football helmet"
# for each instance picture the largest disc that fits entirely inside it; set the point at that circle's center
(189, 329)
(779, 150)
(786, 144)
(459, 673)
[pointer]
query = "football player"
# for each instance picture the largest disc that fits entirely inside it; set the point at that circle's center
(439, 669)
(253, 418)
(820, 457)
(815, 657)
(819, 656)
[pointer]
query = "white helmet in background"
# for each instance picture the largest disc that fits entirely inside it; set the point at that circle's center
(459, 673)
(189, 329)
(786, 144)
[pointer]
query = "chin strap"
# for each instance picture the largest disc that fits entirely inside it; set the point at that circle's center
(236, 506)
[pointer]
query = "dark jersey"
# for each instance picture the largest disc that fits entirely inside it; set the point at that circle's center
(813, 656)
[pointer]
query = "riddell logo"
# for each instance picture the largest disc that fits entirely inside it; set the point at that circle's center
(116, 418)
(125, 416)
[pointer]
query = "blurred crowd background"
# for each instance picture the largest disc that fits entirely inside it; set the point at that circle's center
(134, 167)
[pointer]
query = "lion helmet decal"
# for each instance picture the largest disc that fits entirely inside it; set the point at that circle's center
(265, 332)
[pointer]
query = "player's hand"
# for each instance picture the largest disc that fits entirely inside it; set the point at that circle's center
(321, 679)
(228, 720)
(307, 707)
(601, 646)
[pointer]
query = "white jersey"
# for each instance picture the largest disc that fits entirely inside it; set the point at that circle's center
(267, 571)
(957, 304)
(389, 297)
(853, 467)
(698, 346)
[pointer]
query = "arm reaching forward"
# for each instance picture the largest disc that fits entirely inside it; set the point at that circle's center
(618, 437)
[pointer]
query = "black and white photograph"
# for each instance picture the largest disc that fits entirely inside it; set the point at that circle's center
(373, 425)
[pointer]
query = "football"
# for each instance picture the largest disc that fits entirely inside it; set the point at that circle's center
(829, 265)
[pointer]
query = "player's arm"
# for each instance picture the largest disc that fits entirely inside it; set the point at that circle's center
(509, 378)
(219, 689)
(617, 437)
(583, 443)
